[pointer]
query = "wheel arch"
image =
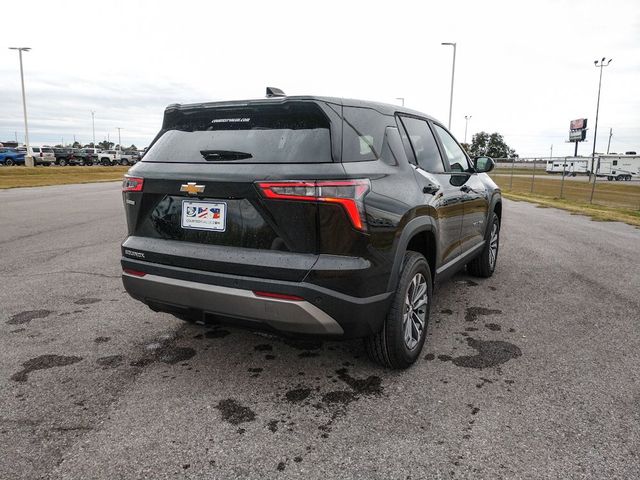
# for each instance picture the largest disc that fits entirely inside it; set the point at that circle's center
(419, 235)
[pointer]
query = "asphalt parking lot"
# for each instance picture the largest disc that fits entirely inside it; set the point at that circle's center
(534, 373)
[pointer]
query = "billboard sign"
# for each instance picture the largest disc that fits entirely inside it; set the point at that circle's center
(579, 124)
(578, 130)
(577, 135)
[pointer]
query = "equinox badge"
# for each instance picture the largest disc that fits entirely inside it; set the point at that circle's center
(191, 188)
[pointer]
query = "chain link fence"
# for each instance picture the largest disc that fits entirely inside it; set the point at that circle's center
(568, 178)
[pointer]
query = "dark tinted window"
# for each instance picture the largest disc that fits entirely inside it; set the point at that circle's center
(424, 144)
(453, 151)
(292, 132)
(363, 133)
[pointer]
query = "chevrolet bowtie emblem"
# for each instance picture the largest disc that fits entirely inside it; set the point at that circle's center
(191, 188)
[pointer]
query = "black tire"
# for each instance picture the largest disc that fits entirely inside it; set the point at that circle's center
(389, 346)
(8, 162)
(485, 264)
(62, 162)
(124, 162)
(88, 163)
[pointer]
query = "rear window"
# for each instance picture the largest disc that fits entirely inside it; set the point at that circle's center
(292, 132)
(47, 150)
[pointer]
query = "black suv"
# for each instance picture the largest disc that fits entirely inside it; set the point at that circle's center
(309, 216)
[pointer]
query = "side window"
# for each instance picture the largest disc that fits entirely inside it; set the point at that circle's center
(455, 154)
(36, 149)
(615, 162)
(424, 144)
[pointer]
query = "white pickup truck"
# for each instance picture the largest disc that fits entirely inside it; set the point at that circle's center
(109, 157)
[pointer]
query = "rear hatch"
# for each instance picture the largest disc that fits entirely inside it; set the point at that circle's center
(202, 204)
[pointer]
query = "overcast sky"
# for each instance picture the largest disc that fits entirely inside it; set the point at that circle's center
(523, 69)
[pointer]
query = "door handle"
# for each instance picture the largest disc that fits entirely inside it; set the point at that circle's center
(430, 189)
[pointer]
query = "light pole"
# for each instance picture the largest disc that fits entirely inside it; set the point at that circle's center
(93, 125)
(466, 124)
(453, 74)
(401, 99)
(28, 159)
(119, 140)
(595, 130)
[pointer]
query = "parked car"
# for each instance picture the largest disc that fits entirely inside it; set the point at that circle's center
(307, 215)
(10, 156)
(41, 155)
(91, 155)
(64, 156)
(129, 157)
(109, 157)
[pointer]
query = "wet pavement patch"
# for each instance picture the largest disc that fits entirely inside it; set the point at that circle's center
(444, 358)
(101, 339)
(367, 386)
(27, 316)
(111, 361)
(308, 354)
(254, 370)
(173, 355)
(343, 397)
(43, 362)
(87, 301)
(471, 313)
(273, 425)
(269, 357)
(297, 395)
(493, 326)
(490, 354)
(303, 344)
(468, 283)
(265, 347)
(217, 333)
(17, 330)
(429, 356)
(234, 413)
(446, 311)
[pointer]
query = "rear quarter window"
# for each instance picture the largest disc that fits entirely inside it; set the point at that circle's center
(363, 133)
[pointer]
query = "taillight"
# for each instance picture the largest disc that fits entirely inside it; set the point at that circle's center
(132, 184)
(348, 193)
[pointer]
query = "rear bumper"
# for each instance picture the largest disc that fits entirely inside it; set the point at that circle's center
(321, 311)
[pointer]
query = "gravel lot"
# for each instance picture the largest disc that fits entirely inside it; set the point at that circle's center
(534, 373)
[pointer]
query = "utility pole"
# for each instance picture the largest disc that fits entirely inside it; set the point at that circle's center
(28, 159)
(466, 124)
(609, 143)
(453, 74)
(595, 130)
(551, 153)
(93, 125)
(119, 140)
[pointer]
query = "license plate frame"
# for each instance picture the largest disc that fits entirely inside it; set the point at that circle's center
(199, 219)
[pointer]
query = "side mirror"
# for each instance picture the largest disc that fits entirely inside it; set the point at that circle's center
(484, 164)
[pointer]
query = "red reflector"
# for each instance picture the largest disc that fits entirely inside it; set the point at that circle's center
(280, 296)
(132, 184)
(135, 273)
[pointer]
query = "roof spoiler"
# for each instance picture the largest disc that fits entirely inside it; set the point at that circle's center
(275, 92)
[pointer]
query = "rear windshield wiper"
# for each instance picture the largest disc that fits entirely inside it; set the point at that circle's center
(224, 155)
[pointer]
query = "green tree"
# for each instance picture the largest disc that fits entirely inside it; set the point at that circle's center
(490, 145)
(104, 145)
(76, 145)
